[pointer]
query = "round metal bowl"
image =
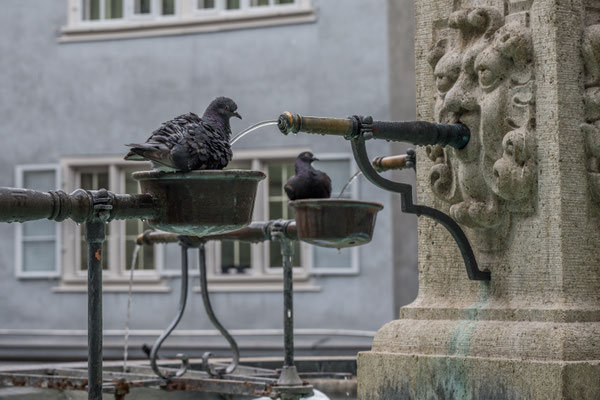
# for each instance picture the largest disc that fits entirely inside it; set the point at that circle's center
(201, 202)
(335, 222)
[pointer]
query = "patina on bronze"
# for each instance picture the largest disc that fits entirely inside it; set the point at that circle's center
(335, 223)
(201, 202)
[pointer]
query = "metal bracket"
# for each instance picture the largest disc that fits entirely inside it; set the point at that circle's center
(405, 190)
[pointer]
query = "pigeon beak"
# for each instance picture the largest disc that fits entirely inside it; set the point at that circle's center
(235, 114)
(314, 159)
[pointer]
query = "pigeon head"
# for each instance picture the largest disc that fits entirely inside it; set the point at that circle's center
(307, 157)
(223, 107)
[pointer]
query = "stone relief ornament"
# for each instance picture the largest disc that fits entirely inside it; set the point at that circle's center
(591, 99)
(484, 76)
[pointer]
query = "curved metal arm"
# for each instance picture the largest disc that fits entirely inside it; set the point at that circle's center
(362, 159)
(182, 301)
(211, 315)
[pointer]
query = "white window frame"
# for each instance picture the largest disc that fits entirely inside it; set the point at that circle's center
(188, 18)
(116, 278)
(20, 171)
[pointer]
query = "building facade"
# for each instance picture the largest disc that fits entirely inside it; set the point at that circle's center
(80, 78)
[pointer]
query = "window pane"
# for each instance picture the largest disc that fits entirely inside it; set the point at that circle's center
(235, 257)
(142, 6)
(206, 3)
(168, 7)
(339, 172)
(90, 10)
(285, 1)
(233, 4)
(42, 227)
(255, 3)
(39, 256)
(113, 9)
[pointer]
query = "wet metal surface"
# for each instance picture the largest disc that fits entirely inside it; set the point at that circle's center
(201, 202)
(335, 223)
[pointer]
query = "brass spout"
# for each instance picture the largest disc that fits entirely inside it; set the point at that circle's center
(294, 123)
(408, 160)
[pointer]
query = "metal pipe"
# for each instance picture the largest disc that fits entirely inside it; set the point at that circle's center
(20, 205)
(416, 132)
(289, 375)
(94, 236)
(256, 232)
(405, 190)
(182, 302)
(382, 164)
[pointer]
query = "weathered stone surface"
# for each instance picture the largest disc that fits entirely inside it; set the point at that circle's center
(524, 76)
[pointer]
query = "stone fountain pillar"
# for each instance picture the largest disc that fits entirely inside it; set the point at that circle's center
(524, 76)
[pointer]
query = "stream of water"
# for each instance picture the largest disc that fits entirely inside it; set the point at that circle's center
(250, 129)
(136, 250)
(352, 179)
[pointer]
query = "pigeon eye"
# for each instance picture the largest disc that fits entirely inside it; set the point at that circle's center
(227, 108)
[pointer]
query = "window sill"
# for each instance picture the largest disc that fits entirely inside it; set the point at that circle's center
(148, 284)
(112, 30)
(256, 287)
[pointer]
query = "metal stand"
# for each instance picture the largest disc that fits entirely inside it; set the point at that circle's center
(213, 318)
(289, 380)
(182, 302)
(95, 233)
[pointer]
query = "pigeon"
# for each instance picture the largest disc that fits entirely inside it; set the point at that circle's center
(308, 183)
(189, 142)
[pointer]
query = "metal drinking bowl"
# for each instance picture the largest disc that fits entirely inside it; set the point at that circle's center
(201, 202)
(335, 222)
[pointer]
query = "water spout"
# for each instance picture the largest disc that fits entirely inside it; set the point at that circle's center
(250, 129)
(136, 250)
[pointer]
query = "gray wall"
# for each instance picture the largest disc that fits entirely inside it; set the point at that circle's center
(91, 98)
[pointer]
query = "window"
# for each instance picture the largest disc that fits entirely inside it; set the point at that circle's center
(114, 19)
(37, 242)
(113, 174)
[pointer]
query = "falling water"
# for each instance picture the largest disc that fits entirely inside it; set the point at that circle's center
(136, 250)
(352, 179)
(250, 129)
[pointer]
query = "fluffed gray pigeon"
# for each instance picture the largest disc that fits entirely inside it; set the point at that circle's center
(189, 142)
(308, 183)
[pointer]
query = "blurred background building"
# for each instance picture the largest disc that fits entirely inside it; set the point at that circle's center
(80, 78)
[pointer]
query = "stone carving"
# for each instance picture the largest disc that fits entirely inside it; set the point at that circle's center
(484, 78)
(591, 98)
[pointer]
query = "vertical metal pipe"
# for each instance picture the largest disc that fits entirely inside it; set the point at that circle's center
(287, 251)
(94, 236)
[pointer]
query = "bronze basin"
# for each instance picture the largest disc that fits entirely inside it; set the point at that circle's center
(335, 222)
(201, 202)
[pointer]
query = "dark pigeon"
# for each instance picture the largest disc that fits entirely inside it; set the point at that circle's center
(308, 183)
(189, 142)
